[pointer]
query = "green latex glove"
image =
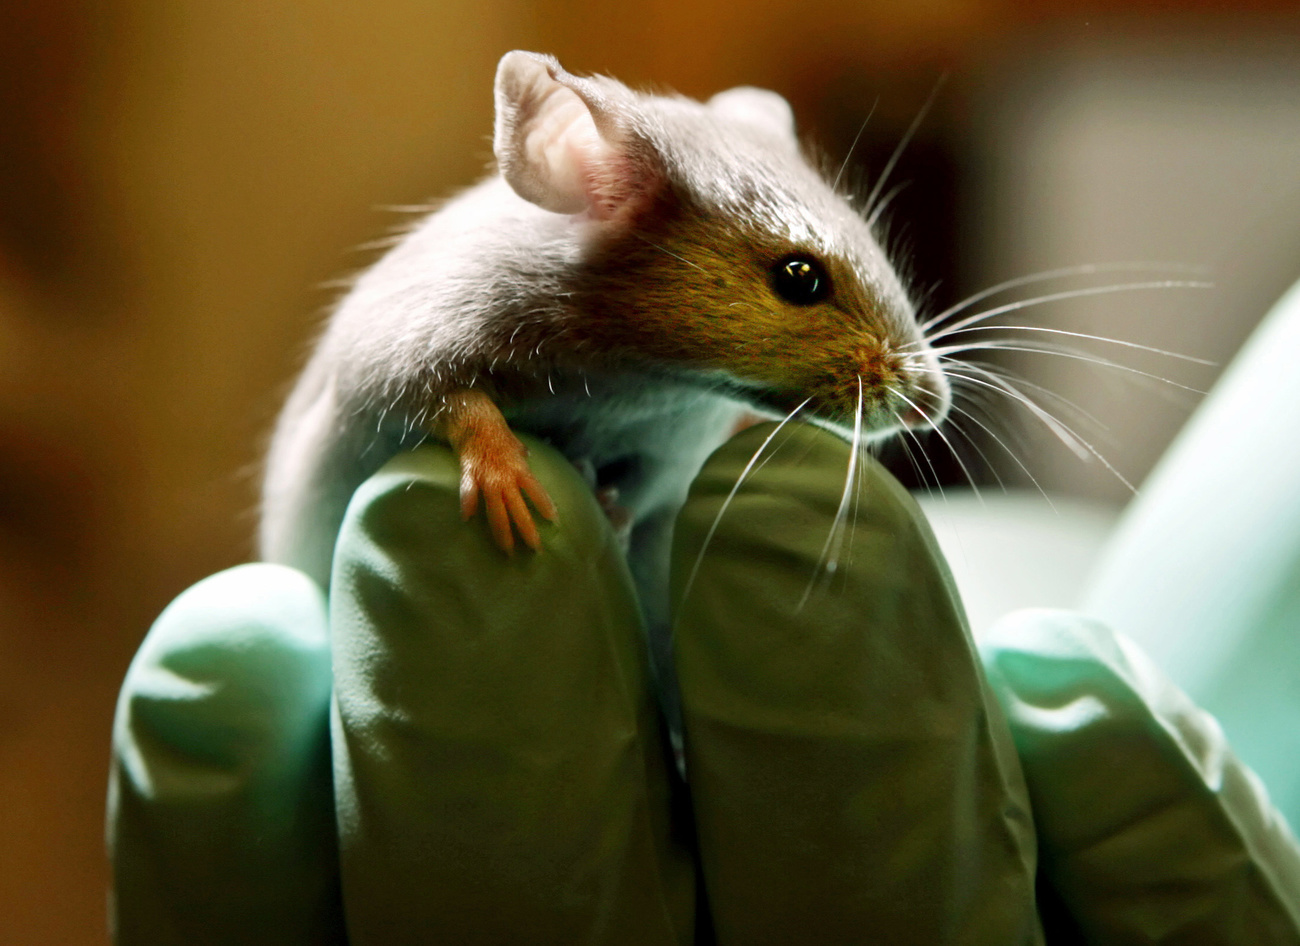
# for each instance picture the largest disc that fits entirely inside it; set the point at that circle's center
(499, 774)
(1150, 830)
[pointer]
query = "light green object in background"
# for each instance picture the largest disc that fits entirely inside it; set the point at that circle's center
(1204, 570)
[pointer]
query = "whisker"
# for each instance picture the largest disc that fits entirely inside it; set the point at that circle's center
(661, 249)
(903, 142)
(1086, 269)
(974, 444)
(851, 479)
(863, 456)
(948, 443)
(989, 368)
(912, 435)
(844, 550)
(1079, 446)
(1063, 353)
(911, 457)
(744, 475)
(1058, 427)
(907, 434)
(1011, 453)
(1083, 335)
(1067, 294)
(849, 154)
(885, 201)
(839, 512)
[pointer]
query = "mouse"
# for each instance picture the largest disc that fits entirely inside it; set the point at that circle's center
(638, 273)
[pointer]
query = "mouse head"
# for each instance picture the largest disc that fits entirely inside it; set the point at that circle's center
(714, 248)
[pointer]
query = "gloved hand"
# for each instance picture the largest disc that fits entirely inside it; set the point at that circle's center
(499, 773)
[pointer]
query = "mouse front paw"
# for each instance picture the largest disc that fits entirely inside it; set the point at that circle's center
(494, 468)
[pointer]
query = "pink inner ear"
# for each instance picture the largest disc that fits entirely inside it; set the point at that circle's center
(561, 141)
(560, 147)
(583, 171)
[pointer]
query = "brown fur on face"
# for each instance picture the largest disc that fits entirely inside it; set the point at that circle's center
(693, 292)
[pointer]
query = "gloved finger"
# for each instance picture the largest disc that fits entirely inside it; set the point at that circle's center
(1150, 829)
(220, 812)
(499, 769)
(852, 778)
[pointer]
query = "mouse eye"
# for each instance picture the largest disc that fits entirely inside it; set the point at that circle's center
(800, 280)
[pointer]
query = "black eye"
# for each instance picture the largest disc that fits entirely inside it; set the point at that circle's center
(800, 280)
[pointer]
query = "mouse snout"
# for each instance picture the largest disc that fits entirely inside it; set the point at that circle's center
(907, 384)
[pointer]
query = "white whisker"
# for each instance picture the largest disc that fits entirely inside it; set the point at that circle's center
(912, 435)
(1087, 269)
(1061, 296)
(744, 475)
(1061, 430)
(902, 144)
(1083, 335)
(1080, 447)
(1011, 453)
(670, 253)
(911, 457)
(857, 498)
(836, 526)
(988, 368)
(885, 201)
(974, 444)
(1063, 353)
(948, 443)
(849, 154)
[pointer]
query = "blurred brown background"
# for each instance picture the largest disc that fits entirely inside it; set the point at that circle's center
(178, 183)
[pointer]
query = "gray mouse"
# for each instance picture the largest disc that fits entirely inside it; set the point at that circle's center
(640, 271)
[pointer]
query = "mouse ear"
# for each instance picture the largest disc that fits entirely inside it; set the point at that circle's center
(559, 141)
(756, 107)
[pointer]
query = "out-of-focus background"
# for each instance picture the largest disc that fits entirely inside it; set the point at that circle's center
(180, 182)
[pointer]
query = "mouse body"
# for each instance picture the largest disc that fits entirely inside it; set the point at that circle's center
(640, 272)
